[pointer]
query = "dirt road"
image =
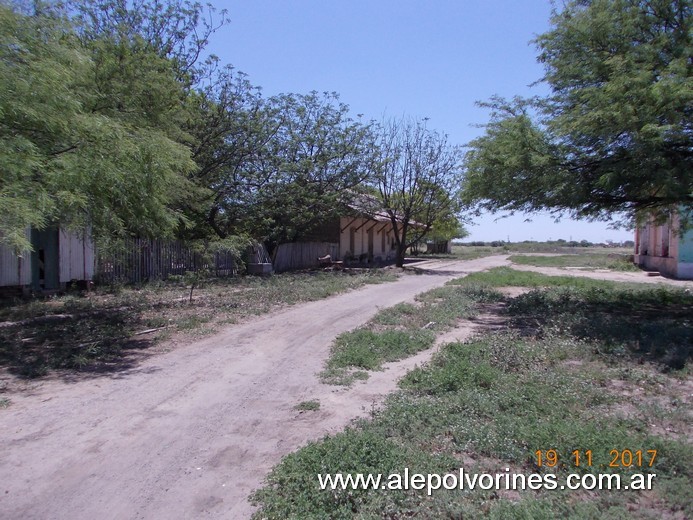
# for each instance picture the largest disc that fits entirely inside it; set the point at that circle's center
(190, 433)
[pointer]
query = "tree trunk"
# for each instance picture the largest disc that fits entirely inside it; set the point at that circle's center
(212, 221)
(399, 261)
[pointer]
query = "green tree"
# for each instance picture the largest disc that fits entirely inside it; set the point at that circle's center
(176, 30)
(230, 124)
(447, 228)
(65, 159)
(416, 179)
(38, 112)
(90, 131)
(275, 168)
(316, 159)
(614, 134)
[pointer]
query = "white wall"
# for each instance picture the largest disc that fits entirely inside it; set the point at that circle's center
(76, 260)
(76, 254)
(15, 269)
(650, 238)
(361, 226)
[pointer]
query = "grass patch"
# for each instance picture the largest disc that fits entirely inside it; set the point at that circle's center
(5, 402)
(97, 330)
(342, 376)
(308, 406)
(508, 277)
(460, 252)
(401, 331)
(366, 349)
(355, 450)
(640, 320)
(654, 324)
(614, 262)
(491, 403)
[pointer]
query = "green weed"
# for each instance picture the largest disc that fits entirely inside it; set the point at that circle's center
(582, 377)
(493, 403)
(652, 322)
(291, 489)
(366, 349)
(610, 261)
(341, 376)
(402, 330)
(308, 406)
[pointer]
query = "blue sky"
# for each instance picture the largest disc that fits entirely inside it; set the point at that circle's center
(432, 58)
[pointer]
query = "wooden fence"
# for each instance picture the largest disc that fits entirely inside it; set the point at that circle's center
(302, 255)
(141, 260)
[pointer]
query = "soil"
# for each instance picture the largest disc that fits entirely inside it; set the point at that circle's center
(605, 274)
(191, 432)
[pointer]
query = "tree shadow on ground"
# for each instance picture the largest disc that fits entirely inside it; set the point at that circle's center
(92, 342)
(654, 324)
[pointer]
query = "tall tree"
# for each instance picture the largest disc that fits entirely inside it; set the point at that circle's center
(316, 158)
(177, 30)
(277, 167)
(94, 101)
(614, 135)
(419, 175)
(76, 146)
(230, 124)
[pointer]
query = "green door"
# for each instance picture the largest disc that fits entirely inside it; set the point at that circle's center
(45, 267)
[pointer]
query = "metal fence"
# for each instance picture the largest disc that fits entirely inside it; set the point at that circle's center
(139, 260)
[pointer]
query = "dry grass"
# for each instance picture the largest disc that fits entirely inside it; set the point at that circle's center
(107, 328)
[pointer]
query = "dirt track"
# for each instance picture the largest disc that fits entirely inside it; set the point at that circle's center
(189, 433)
(604, 274)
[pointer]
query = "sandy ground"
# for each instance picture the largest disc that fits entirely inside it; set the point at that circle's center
(191, 432)
(605, 274)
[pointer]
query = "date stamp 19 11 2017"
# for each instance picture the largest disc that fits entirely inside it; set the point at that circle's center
(624, 458)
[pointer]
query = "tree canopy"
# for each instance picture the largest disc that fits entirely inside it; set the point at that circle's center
(614, 134)
(418, 173)
(275, 167)
(112, 120)
(89, 133)
(316, 159)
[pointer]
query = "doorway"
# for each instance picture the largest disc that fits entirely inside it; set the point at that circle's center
(45, 271)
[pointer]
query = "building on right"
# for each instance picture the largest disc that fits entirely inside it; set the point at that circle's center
(662, 247)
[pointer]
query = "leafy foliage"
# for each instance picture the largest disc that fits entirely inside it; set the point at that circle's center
(417, 174)
(111, 121)
(175, 30)
(276, 168)
(85, 136)
(615, 132)
(447, 227)
(316, 156)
